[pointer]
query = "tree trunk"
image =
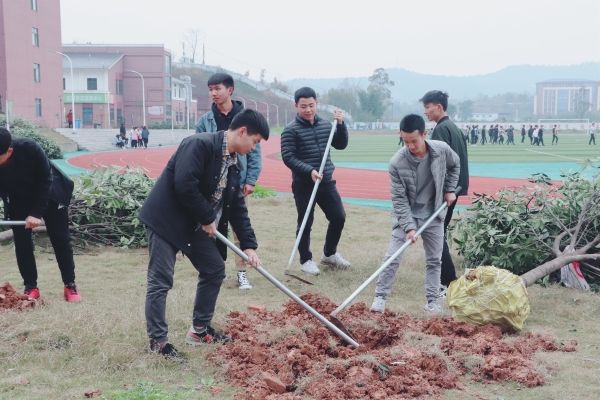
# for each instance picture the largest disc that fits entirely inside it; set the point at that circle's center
(530, 277)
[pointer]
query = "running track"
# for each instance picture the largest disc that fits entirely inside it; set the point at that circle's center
(354, 183)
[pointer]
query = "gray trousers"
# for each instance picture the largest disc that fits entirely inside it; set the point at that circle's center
(433, 242)
(161, 268)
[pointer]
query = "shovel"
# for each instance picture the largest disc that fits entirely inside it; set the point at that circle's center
(344, 335)
(310, 204)
(385, 264)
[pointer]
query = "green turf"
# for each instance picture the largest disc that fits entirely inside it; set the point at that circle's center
(379, 147)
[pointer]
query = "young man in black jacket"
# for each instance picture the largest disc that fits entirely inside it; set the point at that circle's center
(303, 144)
(197, 194)
(32, 188)
(436, 104)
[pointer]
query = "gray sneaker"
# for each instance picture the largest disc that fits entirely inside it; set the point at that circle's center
(433, 308)
(243, 282)
(336, 261)
(310, 267)
(378, 304)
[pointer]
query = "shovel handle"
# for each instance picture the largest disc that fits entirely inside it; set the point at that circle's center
(390, 259)
(288, 292)
(12, 223)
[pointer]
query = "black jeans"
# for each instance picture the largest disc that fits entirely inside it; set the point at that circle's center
(448, 269)
(57, 227)
(161, 268)
(330, 202)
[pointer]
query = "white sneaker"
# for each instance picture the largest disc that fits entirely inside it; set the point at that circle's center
(336, 261)
(243, 282)
(433, 308)
(378, 304)
(310, 267)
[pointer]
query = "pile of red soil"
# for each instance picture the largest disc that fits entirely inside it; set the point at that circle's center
(11, 300)
(290, 355)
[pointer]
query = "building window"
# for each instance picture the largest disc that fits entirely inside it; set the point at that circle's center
(35, 37)
(38, 107)
(64, 84)
(167, 95)
(36, 72)
(119, 87)
(92, 84)
(34, 5)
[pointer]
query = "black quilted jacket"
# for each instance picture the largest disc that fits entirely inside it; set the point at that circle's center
(303, 145)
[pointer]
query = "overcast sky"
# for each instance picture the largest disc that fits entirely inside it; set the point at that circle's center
(331, 38)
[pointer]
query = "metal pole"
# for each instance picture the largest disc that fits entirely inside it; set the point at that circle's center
(12, 223)
(143, 96)
(72, 87)
(288, 292)
(267, 104)
(277, 112)
(312, 196)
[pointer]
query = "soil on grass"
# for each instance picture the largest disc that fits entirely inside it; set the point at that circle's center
(11, 300)
(288, 354)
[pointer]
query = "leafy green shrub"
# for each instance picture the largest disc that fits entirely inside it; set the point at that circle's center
(24, 129)
(261, 192)
(515, 229)
(105, 207)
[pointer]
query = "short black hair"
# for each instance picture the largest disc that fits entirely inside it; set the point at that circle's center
(5, 140)
(436, 97)
(411, 123)
(304, 93)
(254, 121)
(221, 78)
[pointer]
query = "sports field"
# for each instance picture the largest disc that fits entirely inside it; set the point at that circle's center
(374, 150)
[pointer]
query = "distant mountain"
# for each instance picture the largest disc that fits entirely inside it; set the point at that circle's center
(410, 86)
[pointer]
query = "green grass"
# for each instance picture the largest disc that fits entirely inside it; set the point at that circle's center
(62, 350)
(381, 146)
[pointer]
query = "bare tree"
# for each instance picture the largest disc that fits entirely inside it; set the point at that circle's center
(192, 38)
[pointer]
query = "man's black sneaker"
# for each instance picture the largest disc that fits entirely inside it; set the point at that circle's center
(166, 350)
(197, 336)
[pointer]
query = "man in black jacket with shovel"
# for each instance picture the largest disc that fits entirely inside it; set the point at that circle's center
(32, 188)
(198, 193)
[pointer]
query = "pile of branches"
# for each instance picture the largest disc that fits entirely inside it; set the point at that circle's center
(105, 206)
(533, 231)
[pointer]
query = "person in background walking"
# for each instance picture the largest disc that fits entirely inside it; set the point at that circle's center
(145, 136)
(523, 133)
(541, 136)
(133, 137)
(70, 118)
(530, 134)
(555, 134)
(592, 132)
(483, 136)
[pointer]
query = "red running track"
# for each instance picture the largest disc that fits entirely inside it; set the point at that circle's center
(357, 183)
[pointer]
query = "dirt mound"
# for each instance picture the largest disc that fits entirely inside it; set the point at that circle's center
(11, 300)
(290, 355)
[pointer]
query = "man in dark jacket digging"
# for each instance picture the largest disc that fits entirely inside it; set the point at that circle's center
(32, 188)
(198, 193)
(303, 144)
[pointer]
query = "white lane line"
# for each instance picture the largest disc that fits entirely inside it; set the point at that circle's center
(555, 155)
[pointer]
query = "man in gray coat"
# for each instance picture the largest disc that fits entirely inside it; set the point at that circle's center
(423, 175)
(223, 109)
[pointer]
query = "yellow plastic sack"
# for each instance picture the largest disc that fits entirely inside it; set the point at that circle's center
(488, 294)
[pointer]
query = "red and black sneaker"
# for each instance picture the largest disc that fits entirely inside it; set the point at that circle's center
(32, 293)
(71, 293)
(197, 336)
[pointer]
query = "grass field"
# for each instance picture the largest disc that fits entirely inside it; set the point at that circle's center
(380, 146)
(62, 350)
